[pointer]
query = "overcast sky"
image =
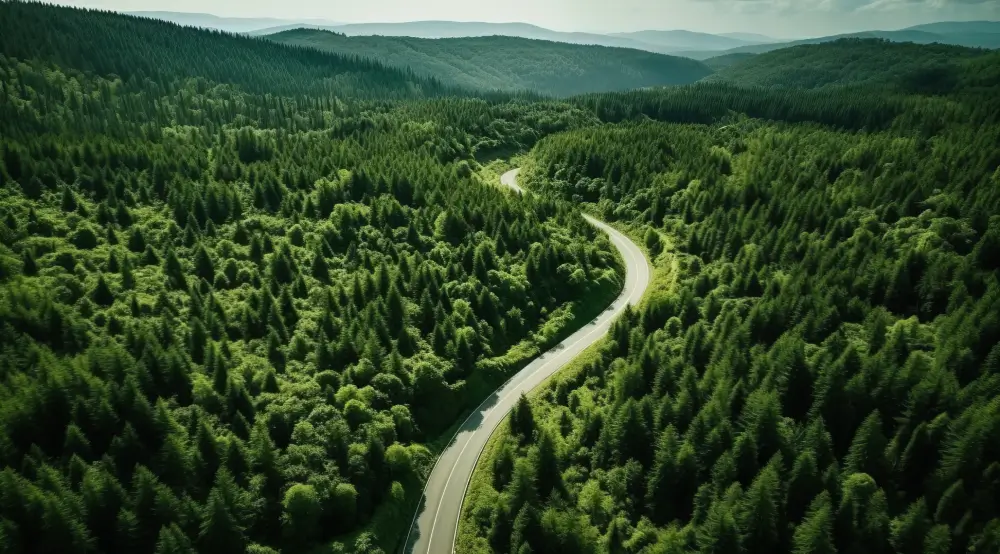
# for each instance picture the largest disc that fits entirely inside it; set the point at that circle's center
(782, 18)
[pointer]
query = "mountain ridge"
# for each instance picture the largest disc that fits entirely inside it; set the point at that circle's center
(509, 63)
(226, 23)
(680, 42)
(934, 68)
(914, 35)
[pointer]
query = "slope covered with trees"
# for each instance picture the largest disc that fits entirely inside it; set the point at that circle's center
(854, 62)
(721, 62)
(232, 317)
(822, 373)
(148, 55)
(510, 63)
(964, 34)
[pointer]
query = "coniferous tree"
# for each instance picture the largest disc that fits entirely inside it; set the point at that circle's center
(219, 531)
(522, 421)
(815, 534)
(102, 295)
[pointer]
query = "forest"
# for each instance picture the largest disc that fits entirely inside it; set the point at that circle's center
(510, 63)
(818, 371)
(235, 320)
(853, 61)
(247, 289)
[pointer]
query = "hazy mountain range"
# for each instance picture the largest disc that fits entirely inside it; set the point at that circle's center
(662, 42)
(510, 63)
(697, 45)
(229, 24)
(973, 34)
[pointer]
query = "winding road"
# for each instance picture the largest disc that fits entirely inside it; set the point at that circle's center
(435, 525)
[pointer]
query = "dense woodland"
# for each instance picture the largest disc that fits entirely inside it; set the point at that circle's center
(968, 34)
(246, 287)
(511, 63)
(820, 370)
(232, 319)
(853, 61)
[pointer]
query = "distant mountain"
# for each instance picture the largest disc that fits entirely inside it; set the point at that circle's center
(445, 29)
(457, 29)
(230, 24)
(679, 40)
(661, 42)
(750, 37)
(953, 27)
(510, 63)
(912, 67)
(700, 46)
(971, 40)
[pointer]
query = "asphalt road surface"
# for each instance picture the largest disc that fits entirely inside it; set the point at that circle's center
(435, 526)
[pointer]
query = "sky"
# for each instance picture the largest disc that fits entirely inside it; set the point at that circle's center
(778, 18)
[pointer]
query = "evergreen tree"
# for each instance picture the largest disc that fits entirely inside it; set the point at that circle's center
(219, 531)
(815, 534)
(759, 512)
(522, 421)
(203, 265)
(102, 295)
(173, 541)
(546, 460)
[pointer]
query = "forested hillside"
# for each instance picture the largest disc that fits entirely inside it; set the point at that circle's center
(967, 34)
(148, 55)
(720, 62)
(234, 318)
(510, 63)
(465, 29)
(819, 369)
(855, 61)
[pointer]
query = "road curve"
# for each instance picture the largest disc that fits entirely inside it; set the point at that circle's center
(435, 525)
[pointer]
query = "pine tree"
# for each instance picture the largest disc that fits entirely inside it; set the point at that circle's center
(652, 240)
(938, 540)
(198, 342)
(804, 483)
(908, 530)
(867, 452)
(173, 541)
(525, 529)
(102, 295)
(76, 443)
(465, 359)
(203, 265)
(219, 531)
(136, 240)
(396, 311)
(547, 463)
(127, 539)
(616, 536)
(28, 265)
(220, 374)
(759, 515)
(522, 421)
(320, 270)
(815, 534)
(174, 272)
(68, 202)
(720, 533)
